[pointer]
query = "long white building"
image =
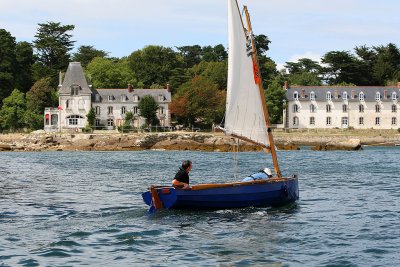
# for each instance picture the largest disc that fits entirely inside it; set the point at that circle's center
(77, 97)
(360, 107)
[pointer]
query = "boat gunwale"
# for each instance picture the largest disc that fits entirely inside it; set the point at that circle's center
(232, 184)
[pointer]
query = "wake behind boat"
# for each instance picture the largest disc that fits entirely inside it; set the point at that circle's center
(247, 119)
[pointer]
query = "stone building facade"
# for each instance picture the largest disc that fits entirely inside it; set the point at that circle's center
(77, 97)
(359, 107)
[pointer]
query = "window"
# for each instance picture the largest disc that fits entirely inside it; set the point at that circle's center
(110, 110)
(73, 120)
(361, 108)
(345, 121)
(97, 122)
(135, 98)
(394, 108)
(394, 96)
(328, 120)
(97, 110)
(295, 121)
(110, 122)
(295, 108)
(312, 108)
(123, 98)
(97, 98)
(110, 98)
(394, 120)
(377, 121)
(160, 110)
(378, 96)
(377, 108)
(328, 108)
(160, 98)
(67, 104)
(135, 110)
(361, 120)
(312, 120)
(54, 119)
(296, 95)
(123, 110)
(344, 108)
(344, 95)
(328, 96)
(75, 89)
(361, 96)
(312, 96)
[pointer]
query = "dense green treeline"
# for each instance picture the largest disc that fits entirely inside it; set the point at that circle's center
(197, 75)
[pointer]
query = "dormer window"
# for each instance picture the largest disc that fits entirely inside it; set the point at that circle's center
(361, 96)
(394, 96)
(123, 98)
(328, 96)
(160, 98)
(135, 98)
(312, 96)
(110, 98)
(75, 89)
(344, 95)
(296, 95)
(378, 96)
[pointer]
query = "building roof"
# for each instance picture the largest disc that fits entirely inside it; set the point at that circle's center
(118, 93)
(74, 76)
(337, 92)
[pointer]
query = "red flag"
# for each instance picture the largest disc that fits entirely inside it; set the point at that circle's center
(47, 116)
(59, 107)
(256, 73)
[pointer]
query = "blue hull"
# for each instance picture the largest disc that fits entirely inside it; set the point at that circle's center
(236, 195)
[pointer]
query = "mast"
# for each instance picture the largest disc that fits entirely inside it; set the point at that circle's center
(264, 104)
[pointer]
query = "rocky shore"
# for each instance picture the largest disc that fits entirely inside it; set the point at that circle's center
(40, 141)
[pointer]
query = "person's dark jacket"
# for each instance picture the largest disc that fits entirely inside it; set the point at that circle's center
(182, 176)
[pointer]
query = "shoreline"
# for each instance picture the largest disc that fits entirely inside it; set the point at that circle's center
(196, 141)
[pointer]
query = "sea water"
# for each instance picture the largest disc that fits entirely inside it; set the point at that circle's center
(85, 208)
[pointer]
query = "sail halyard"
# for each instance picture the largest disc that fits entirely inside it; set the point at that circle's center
(264, 104)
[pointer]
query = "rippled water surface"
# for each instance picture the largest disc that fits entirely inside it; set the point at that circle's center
(85, 208)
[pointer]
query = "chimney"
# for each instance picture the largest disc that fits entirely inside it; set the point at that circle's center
(60, 79)
(286, 85)
(168, 88)
(130, 88)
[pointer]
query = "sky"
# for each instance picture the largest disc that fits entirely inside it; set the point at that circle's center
(296, 28)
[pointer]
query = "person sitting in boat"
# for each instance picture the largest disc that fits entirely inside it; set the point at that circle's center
(261, 175)
(181, 179)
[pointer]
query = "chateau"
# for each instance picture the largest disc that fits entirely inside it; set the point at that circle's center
(77, 97)
(360, 107)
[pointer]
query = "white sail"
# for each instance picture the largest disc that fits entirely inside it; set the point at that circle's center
(244, 111)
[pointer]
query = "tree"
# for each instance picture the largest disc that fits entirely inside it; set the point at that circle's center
(214, 71)
(275, 96)
(191, 54)
(108, 73)
(12, 114)
(41, 95)
(53, 44)
(86, 53)
(23, 70)
(154, 64)
(148, 110)
(198, 102)
(216, 53)
(7, 63)
(91, 117)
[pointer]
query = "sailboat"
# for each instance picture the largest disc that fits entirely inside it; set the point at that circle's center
(247, 119)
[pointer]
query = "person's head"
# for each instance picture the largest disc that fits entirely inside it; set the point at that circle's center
(187, 165)
(268, 172)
